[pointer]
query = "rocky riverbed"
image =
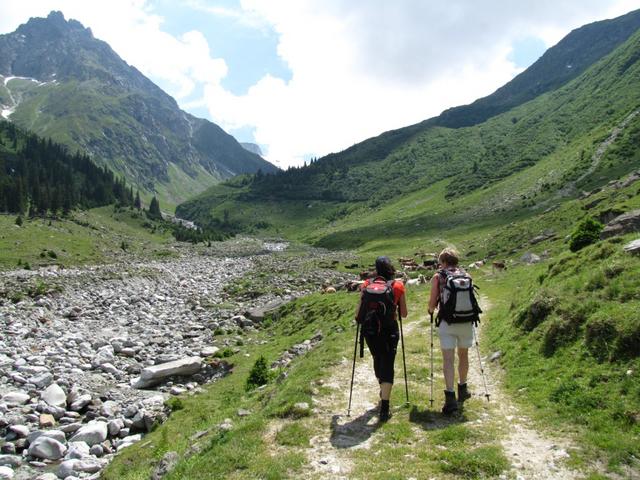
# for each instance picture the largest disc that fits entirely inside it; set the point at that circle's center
(89, 356)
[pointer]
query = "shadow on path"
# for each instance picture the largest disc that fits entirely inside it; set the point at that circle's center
(434, 419)
(354, 432)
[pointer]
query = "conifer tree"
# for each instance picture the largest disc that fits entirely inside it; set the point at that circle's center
(154, 209)
(137, 203)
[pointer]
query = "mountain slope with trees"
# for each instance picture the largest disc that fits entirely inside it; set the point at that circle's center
(78, 91)
(41, 177)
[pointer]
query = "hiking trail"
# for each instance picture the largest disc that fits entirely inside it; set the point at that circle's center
(531, 454)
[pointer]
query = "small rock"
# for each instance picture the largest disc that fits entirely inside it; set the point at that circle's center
(77, 450)
(243, 413)
(42, 380)
(21, 431)
(495, 356)
(6, 473)
(46, 420)
(165, 466)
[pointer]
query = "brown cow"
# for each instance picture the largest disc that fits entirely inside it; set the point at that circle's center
(500, 266)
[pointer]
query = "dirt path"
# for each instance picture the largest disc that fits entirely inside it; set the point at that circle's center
(532, 454)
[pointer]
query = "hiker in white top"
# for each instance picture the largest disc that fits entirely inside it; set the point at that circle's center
(453, 334)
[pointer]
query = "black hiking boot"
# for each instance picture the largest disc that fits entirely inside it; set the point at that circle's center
(450, 405)
(463, 393)
(385, 414)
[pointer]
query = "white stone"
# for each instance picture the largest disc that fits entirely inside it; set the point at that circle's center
(91, 433)
(633, 246)
(47, 448)
(80, 402)
(54, 395)
(6, 473)
(69, 468)
(77, 450)
(154, 374)
(15, 398)
(42, 380)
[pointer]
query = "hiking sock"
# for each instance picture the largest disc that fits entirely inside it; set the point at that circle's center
(450, 403)
(385, 414)
(463, 392)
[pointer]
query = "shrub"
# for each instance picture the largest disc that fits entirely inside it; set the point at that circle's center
(259, 374)
(19, 220)
(560, 332)
(600, 334)
(627, 341)
(585, 233)
(174, 404)
(536, 313)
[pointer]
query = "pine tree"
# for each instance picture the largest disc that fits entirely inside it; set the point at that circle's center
(154, 209)
(137, 203)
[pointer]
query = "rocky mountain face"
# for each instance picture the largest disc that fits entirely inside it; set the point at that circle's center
(252, 147)
(61, 82)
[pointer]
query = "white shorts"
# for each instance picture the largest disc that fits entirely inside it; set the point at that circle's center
(455, 335)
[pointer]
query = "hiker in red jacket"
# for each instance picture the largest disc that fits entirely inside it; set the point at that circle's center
(380, 299)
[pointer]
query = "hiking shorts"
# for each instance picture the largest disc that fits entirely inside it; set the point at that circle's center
(454, 335)
(383, 349)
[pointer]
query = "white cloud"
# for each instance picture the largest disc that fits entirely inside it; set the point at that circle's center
(358, 68)
(361, 68)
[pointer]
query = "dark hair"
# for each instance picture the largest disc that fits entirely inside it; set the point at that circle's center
(384, 268)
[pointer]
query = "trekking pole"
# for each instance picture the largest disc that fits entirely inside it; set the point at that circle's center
(404, 362)
(484, 380)
(353, 369)
(431, 395)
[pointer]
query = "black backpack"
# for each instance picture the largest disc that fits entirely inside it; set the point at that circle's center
(377, 308)
(458, 303)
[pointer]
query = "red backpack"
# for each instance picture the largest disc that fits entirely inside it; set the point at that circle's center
(377, 307)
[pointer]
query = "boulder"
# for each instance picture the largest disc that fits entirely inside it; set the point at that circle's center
(6, 473)
(91, 433)
(625, 223)
(209, 351)
(80, 402)
(54, 395)
(47, 448)
(13, 461)
(257, 314)
(530, 258)
(155, 374)
(46, 420)
(633, 247)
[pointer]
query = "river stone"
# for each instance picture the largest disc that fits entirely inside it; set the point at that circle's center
(15, 398)
(80, 402)
(69, 468)
(12, 461)
(47, 476)
(91, 433)
(77, 450)
(6, 473)
(54, 395)
(153, 375)
(47, 448)
(20, 430)
(42, 380)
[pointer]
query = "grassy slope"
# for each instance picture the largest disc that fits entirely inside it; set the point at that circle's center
(93, 236)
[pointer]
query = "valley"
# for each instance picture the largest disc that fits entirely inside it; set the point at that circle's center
(218, 342)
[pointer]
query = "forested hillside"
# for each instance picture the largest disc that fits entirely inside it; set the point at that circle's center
(41, 177)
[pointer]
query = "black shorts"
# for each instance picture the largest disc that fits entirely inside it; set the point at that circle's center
(383, 349)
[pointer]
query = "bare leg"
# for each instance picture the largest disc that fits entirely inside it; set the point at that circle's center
(463, 364)
(385, 390)
(448, 367)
